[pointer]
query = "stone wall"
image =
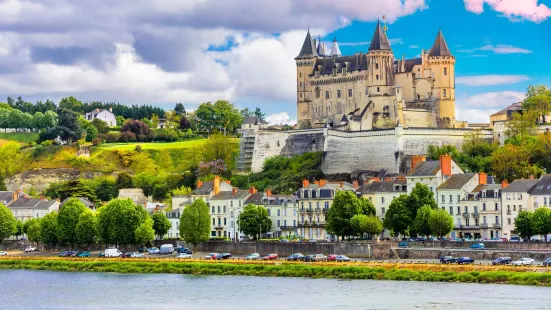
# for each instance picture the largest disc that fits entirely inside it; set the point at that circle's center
(419, 118)
(430, 254)
(40, 179)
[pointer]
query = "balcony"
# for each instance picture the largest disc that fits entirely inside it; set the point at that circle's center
(476, 215)
(508, 212)
(303, 225)
(318, 210)
(466, 227)
(309, 210)
(218, 227)
(288, 227)
(497, 226)
(325, 211)
(465, 215)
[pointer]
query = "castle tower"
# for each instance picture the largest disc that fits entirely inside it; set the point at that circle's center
(380, 77)
(305, 61)
(442, 65)
(335, 50)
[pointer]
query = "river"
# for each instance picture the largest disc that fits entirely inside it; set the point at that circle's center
(20, 289)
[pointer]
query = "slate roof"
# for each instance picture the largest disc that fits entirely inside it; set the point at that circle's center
(208, 187)
(513, 108)
(426, 168)
(6, 196)
(44, 205)
(83, 200)
(520, 186)
(255, 199)
(384, 187)
(25, 203)
(379, 40)
(351, 62)
(230, 195)
(440, 48)
(409, 63)
(253, 120)
(543, 187)
(308, 48)
(457, 181)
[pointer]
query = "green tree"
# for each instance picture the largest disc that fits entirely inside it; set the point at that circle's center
(91, 132)
(421, 222)
(8, 223)
(541, 222)
(538, 99)
(105, 188)
(118, 220)
(38, 120)
(366, 224)
(420, 196)
(19, 229)
(523, 224)
(120, 120)
(145, 233)
(48, 232)
(179, 109)
(124, 180)
(68, 127)
(344, 207)
(71, 103)
(521, 124)
(398, 217)
(512, 162)
(86, 228)
(12, 159)
(49, 120)
(440, 222)
(100, 125)
(27, 224)
(195, 223)
(4, 119)
(34, 231)
(254, 220)
(75, 188)
(160, 192)
(68, 219)
(161, 225)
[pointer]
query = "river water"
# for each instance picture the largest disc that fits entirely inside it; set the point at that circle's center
(20, 289)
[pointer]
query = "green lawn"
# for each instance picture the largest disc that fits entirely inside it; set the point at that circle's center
(153, 145)
(24, 137)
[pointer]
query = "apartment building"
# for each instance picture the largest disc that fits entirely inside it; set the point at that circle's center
(431, 173)
(28, 208)
(225, 208)
(451, 193)
(515, 197)
(283, 211)
(484, 201)
(174, 218)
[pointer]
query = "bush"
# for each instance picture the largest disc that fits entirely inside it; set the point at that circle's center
(138, 148)
(113, 137)
(97, 141)
(127, 136)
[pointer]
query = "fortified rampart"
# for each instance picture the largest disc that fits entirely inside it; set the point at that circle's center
(346, 151)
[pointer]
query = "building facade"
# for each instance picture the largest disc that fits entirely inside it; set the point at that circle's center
(104, 115)
(449, 197)
(431, 173)
(282, 210)
(515, 197)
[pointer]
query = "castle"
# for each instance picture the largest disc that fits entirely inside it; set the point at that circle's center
(373, 90)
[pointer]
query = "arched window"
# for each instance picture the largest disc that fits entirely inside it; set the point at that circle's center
(444, 93)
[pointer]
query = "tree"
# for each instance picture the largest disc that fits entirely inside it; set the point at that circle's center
(184, 123)
(120, 120)
(420, 196)
(139, 129)
(8, 223)
(76, 188)
(38, 120)
(220, 147)
(68, 127)
(49, 120)
(160, 192)
(161, 225)
(521, 124)
(71, 103)
(145, 233)
(538, 99)
(91, 131)
(105, 188)
(440, 222)
(48, 232)
(124, 180)
(258, 113)
(12, 159)
(195, 223)
(344, 207)
(19, 229)
(523, 224)
(100, 125)
(34, 231)
(541, 222)
(86, 228)
(67, 220)
(118, 221)
(398, 217)
(421, 222)
(512, 162)
(254, 220)
(4, 119)
(366, 224)
(179, 109)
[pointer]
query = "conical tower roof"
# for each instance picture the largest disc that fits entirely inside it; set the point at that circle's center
(440, 48)
(308, 47)
(321, 48)
(379, 40)
(335, 50)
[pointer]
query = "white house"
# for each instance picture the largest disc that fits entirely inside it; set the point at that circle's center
(432, 173)
(282, 210)
(174, 218)
(104, 115)
(449, 197)
(515, 197)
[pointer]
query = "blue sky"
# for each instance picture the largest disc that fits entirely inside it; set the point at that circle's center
(193, 51)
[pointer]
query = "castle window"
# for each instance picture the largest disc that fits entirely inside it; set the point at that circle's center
(301, 84)
(300, 74)
(300, 95)
(350, 92)
(377, 89)
(317, 92)
(445, 71)
(444, 93)
(338, 93)
(376, 66)
(326, 94)
(377, 77)
(366, 91)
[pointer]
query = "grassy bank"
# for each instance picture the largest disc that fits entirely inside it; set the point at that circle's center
(379, 271)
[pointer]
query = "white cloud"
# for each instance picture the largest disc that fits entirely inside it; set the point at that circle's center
(281, 118)
(478, 108)
(497, 49)
(515, 10)
(490, 80)
(414, 46)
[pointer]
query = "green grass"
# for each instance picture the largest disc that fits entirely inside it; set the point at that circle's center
(23, 137)
(153, 145)
(281, 270)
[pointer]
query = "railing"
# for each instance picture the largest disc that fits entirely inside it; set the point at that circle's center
(219, 227)
(497, 225)
(466, 215)
(460, 227)
(508, 212)
(288, 227)
(476, 215)
(305, 224)
(325, 210)
(309, 210)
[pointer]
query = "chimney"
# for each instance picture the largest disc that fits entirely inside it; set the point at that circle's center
(199, 183)
(323, 182)
(355, 184)
(234, 191)
(15, 196)
(97, 110)
(531, 177)
(111, 109)
(305, 183)
(505, 184)
(401, 177)
(482, 178)
(268, 192)
(216, 185)
(342, 184)
(41, 197)
(252, 190)
(317, 182)
(228, 182)
(375, 179)
(388, 179)
(416, 159)
(446, 165)
(58, 201)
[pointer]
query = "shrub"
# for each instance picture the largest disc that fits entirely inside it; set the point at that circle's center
(138, 148)
(97, 141)
(127, 136)
(113, 137)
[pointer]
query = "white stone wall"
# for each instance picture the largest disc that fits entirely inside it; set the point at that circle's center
(419, 118)
(267, 144)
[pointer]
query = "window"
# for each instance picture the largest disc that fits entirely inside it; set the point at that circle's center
(269, 212)
(443, 198)
(338, 93)
(545, 201)
(285, 212)
(218, 209)
(376, 66)
(317, 92)
(278, 223)
(212, 209)
(300, 98)
(377, 77)
(444, 93)
(382, 199)
(514, 208)
(213, 221)
(224, 221)
(224, 209)
(383, 210)
(349, 92)
(458, 198)
(377, 89)
(310, 205)
(509, 221)
(326, 94)
(467, 222)
(458, 210)
(327, 204)
(366, 91)
(431, 190)
(451, 199)
(497, 220)
(497, 206)
(451, 210)
(278, 213)
(466, 209)
(445, 71)
(231, 203)
(300, 84)
(219, 222)
(483, 206)
(213, 234)
(300, 74)
(483, 194)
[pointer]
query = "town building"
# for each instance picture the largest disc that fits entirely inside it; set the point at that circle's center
(449, 197)
(225, 208)
(315, 199)
(372, 90)
(205, 190)
(484, 203)
(104, 115)
(7, 197)
(282, 210)
(431, 173)
(174, 218)
(515, 197)
(136, 194)
(26, 208)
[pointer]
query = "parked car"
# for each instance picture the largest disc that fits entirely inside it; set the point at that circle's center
(525, 261)
(212, 256)
(67, 254)
(447, 260)
(547, 262)
(113, 252)
(515, 238)
(421, 239)
(294, 257)
(403, 244)
(184, 250)
(166, 249)
(223, 256)
(252, 256)
(127, 255)
(153, 250)
(3, 253)
(309, 258)
(137, 255)
(504, 240)
(320, 258)
(455, 239)
(142, 249)
(183, 255)
(342, 258)
(283, 240)
(465, 260)
(30, 249)
(83, 254)
(501, 261)
(101, 254)
(332, 258)
(270, 257)
(477, 246)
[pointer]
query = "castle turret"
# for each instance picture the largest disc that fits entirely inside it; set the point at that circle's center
(305, 64)
(335, 50)
(442, 65)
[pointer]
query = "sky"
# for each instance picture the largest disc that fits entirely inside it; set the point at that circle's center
(192, 51)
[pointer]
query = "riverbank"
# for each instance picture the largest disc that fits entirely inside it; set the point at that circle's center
(378, 271)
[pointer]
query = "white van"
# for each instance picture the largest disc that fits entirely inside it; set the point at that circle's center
(112, 252)
(166, 249)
